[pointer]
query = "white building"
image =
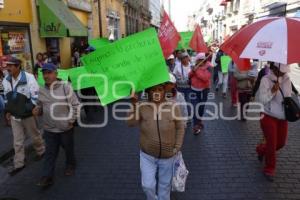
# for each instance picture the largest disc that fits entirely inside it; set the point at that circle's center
(155, 9)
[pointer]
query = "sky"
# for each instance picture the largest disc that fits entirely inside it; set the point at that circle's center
(180, 10)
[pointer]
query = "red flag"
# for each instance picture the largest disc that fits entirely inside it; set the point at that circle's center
(197, 42)
(168, 36)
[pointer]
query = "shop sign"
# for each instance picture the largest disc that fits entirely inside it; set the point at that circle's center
(83, 5)
(52, 27)
(16, 41)
(1, 3)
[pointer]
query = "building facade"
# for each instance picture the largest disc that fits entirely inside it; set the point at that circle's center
(15, 31)
(155, 9)
(219, 19)
(112, 17)
(63, 26)
(138, 15)
(54, 27)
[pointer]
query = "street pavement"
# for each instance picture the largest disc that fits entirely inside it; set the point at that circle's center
(222, 164)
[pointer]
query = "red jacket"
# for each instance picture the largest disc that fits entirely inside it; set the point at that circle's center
(200, 79)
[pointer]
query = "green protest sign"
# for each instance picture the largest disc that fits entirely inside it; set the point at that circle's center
(225, 61)
(184, 43)
(98, 43)
(135, 61)
(80, 78)
(62, 74)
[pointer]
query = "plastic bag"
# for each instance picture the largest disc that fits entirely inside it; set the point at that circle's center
(180, 174)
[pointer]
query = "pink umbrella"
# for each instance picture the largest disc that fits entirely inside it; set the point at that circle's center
(272, 39)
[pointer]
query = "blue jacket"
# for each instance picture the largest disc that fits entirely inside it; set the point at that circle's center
(21, 98)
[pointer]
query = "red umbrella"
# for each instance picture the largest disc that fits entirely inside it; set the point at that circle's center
(242, 64)
(272, 39)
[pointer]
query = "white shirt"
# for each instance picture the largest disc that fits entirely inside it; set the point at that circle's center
(182, 72)
(273, 101)
(16, 81)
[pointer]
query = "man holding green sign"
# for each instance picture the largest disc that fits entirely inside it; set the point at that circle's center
(62, 74)
(135, 62)
(185, 40)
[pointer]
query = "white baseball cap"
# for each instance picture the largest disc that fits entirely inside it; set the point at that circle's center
(200, 56)
(171, 57)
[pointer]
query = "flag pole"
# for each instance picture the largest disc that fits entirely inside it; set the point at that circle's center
(198, 65)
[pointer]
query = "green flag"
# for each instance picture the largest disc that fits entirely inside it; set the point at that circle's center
(80, 78)
(135, 61)
(98, 43)
(62, 74)
(184, 43)
(225, 61)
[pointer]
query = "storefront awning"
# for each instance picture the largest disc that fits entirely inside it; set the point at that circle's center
(56, 20)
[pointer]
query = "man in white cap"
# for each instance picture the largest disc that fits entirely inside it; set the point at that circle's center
(172, 93)
(171, 62)
(181, 72)
(21, 93)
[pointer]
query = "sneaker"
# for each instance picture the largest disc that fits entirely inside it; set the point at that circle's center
(45, 182)
(269, 177)
(39, 157)
(197, 129)
(13, 171)
(224, 95)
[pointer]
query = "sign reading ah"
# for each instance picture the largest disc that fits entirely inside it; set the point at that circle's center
(1, 3)
(52, 27)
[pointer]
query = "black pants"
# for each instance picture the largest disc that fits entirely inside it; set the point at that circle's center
(53, 142)
(244, 97)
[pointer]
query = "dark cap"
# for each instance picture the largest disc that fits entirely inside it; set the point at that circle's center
(49, 67)
(13, 61)
(184, 55)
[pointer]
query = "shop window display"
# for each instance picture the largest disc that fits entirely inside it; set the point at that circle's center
(15, 42)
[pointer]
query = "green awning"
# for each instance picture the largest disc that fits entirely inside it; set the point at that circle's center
(56, 20)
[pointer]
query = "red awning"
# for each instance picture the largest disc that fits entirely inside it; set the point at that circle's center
(223, 3)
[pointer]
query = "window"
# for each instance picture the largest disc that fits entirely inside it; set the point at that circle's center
(231, 6)
(15, 41)
(237, 5)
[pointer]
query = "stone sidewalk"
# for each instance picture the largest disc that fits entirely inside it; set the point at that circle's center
(6, 140)
(222, 164)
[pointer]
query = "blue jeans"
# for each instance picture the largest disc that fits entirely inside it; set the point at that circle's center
(53, 142)
(1, 104)
(187, 93)
(149, 166)
(199, 97)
